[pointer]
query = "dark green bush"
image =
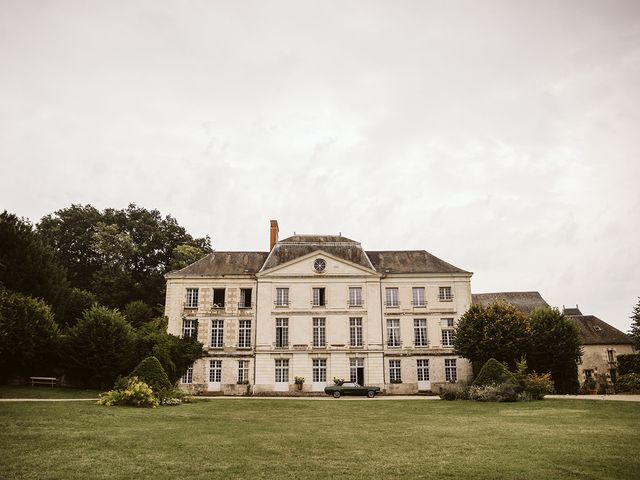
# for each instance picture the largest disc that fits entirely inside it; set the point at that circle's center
(629, 363)
(494, 372)
(628, 383)
(150, 371)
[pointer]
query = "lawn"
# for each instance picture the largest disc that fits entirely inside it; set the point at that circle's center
(45, 392)
(253, 438)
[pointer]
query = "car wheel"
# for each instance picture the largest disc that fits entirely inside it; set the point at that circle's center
(371, 394)
(336, 394)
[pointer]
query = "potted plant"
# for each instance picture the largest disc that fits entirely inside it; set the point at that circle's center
(591, 386)
(299, 381)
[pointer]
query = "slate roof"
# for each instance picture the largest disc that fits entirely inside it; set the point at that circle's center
(248, 263)
(300, 245)
(524, 301)
(223, 263)
(410, 261)
(598, 332)
(572, 311)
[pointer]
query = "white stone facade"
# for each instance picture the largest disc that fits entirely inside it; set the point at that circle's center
(307, 319)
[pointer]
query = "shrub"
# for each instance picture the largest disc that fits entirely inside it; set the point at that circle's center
(503, 392)
(454, 391)
(629, 383)
(538, 385)
(628, 363)
(151, 372)
(494, 372)
(131, 391)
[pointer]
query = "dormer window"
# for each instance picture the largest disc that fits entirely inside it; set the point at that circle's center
(218, 297)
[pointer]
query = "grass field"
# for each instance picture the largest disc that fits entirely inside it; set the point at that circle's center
(261, 439)
(46, 392)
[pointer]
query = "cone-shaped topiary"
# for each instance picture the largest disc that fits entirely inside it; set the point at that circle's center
(150, 371)
(494, 372)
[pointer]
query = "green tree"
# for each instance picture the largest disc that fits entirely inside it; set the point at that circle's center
(120, 255)
(184, 255)
(635, 325)
(498, 331)
(137, 313)
(174, 353)
(27, 264)
(29, 337)
(555, 347)
(75, 303)
(100, 347)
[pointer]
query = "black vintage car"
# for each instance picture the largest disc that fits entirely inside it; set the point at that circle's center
(351, 388)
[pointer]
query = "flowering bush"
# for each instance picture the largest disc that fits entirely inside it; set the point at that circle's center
(299, 380)
(131, 391)
(538, 385)
(502, 392)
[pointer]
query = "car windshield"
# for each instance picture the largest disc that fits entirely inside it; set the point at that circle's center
(350, 384)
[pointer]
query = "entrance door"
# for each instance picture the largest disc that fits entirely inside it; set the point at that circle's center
(357, 370)
(215, 375)
(423, 374)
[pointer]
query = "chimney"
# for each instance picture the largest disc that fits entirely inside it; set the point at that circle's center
(273, 237)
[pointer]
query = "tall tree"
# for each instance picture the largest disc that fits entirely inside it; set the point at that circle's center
(99, 347)
(498, 331)
(120, 255)
(29, 337)
(27, 264)
(635, 325)
(555, 347)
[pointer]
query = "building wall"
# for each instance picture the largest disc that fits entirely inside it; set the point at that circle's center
(595, 358)
(300, 279)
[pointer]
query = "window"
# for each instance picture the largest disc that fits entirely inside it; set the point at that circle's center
(320, 265)
(318, 297)
(188, 376)
(355, 332)
(610, 356)
(218, 297)
(450, 370)
(319, 332)
(282, 370)
(588, 374)
(392, 297)
(356, 370)
(282, 297)
(418, 297)
(192, 298)
(243, 371)
(282, 332)
(447, 332)
(395, 373)
(423, 370)
(355, 296)
(420, 332)
(393, 332)
(189, 328)
(217, 333)
(244, 333)
(245, 298)
(215, 371)
(445, 294)
(319, 370)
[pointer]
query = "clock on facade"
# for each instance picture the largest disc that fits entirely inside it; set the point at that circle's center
(319, 265)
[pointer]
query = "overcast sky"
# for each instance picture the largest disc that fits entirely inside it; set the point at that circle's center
(501, 136)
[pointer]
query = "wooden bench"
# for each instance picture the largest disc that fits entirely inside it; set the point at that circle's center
(51, 381)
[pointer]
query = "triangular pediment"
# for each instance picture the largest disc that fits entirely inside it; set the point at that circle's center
(305, 266)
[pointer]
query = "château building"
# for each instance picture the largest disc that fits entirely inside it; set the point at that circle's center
(319, 307)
